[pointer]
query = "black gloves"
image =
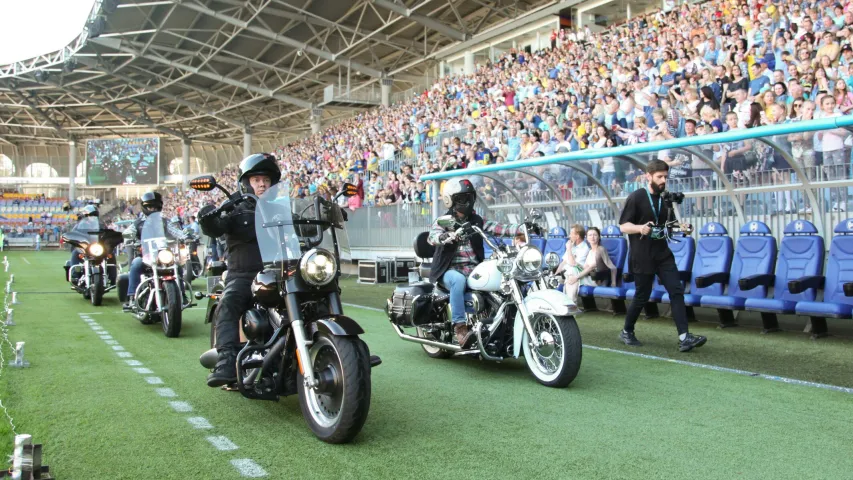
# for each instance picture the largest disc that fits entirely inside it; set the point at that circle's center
(205, 211)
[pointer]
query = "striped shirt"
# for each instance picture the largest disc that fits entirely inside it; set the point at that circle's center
(465, 259)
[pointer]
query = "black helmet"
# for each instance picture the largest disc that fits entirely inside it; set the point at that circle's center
(258, 164)
(151, 202)
(89, 211)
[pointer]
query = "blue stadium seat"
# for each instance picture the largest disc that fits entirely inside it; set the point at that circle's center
(617, 248)
(839, 271)
(713, 256)
(539, 243)
(556, 245)
(752, 267)
(800, 256)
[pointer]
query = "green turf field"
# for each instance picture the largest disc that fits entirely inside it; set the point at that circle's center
(623, 417)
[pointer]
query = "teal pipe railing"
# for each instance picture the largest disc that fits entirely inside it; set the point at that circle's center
(651, 147)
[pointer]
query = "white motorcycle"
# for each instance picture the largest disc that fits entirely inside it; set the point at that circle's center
(506, 308)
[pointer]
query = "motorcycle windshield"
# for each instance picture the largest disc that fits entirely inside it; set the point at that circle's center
(86, 231)
(154, 238)
(287, 227)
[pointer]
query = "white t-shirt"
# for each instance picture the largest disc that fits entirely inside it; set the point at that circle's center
(579, 251)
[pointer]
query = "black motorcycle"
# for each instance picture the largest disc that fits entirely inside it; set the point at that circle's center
(189, 256)
(298, 339)
(95, 275)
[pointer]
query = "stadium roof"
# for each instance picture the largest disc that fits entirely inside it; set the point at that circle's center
(205, 70)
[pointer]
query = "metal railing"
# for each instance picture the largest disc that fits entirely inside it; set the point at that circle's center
(791, 175)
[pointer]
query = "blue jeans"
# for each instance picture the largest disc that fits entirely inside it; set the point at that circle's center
(135, 275)
(456, 282)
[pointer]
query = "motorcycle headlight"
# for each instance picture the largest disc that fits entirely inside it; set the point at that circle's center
(166, 257)
(318, 267)
(529, 260)
(505, 266)
(552, 260)
(96, 249)
(185, 251)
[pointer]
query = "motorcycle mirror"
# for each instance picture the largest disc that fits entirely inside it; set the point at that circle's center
(350, 190)
(204, 183)
(535, 214)
(446, 221)
(199, 295)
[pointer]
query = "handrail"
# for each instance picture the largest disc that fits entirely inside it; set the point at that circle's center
(651, 147)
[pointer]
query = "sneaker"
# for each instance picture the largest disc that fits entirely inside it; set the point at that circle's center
(690, 342)
(225, 372)
(628, 338)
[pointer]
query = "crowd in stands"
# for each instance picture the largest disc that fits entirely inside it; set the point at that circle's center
(692, 70)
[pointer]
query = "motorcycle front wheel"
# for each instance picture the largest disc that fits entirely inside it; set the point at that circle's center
(556, 362)
(337, 409)
(96, 290)
(171, 317)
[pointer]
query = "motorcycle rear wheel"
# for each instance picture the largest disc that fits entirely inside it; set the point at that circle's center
(557, 363)
(434, 352)
(171, 317)
(338, 414)
(96, 290)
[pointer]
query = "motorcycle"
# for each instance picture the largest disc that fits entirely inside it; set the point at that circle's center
(298, 339)
(96, 275)
(510, 306)
(189, 256)
(160, 295)
(217, 272)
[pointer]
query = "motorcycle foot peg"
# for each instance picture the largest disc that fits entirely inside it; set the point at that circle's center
(375, 361)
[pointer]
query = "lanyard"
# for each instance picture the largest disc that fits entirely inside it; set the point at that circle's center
(655, 211)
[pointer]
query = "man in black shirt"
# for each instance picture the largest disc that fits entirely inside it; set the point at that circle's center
(643, 220)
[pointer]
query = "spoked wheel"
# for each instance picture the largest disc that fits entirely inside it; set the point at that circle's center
(337, 408)
(438, 336)
(556, 362)
(171, 317)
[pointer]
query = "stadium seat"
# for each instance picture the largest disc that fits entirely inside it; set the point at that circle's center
(839, 271)
(539, 243)
(713, 256)
(750, 276)
(556, 242)
(801, 255)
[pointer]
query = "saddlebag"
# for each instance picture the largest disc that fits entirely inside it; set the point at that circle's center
(411, 305)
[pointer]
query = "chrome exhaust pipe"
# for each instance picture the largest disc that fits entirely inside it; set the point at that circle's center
(209, 358)
(424, 341)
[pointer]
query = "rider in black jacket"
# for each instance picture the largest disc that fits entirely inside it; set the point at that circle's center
(258, 173)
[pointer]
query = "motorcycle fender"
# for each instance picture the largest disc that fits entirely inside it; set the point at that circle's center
(338, 325)
(551, 302)
(210, 316)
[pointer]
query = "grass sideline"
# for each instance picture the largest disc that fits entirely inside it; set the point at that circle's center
(622, 418)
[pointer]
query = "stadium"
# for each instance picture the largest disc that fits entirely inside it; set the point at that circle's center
(278, 188)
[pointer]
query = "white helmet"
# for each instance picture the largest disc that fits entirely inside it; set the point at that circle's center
(459, 194)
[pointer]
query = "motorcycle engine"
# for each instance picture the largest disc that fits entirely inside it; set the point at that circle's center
(475, 307)
(256, 325)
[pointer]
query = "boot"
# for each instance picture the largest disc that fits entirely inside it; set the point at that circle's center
(463, 335)
(225, 372)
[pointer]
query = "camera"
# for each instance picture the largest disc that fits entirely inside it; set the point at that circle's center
(672, 197)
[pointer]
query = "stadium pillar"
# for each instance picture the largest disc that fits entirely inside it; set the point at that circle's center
(247, 143)
(442, 69)
(185, 165)
(316, 120)
(469, 62)
(386, 91)
(72, 170)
